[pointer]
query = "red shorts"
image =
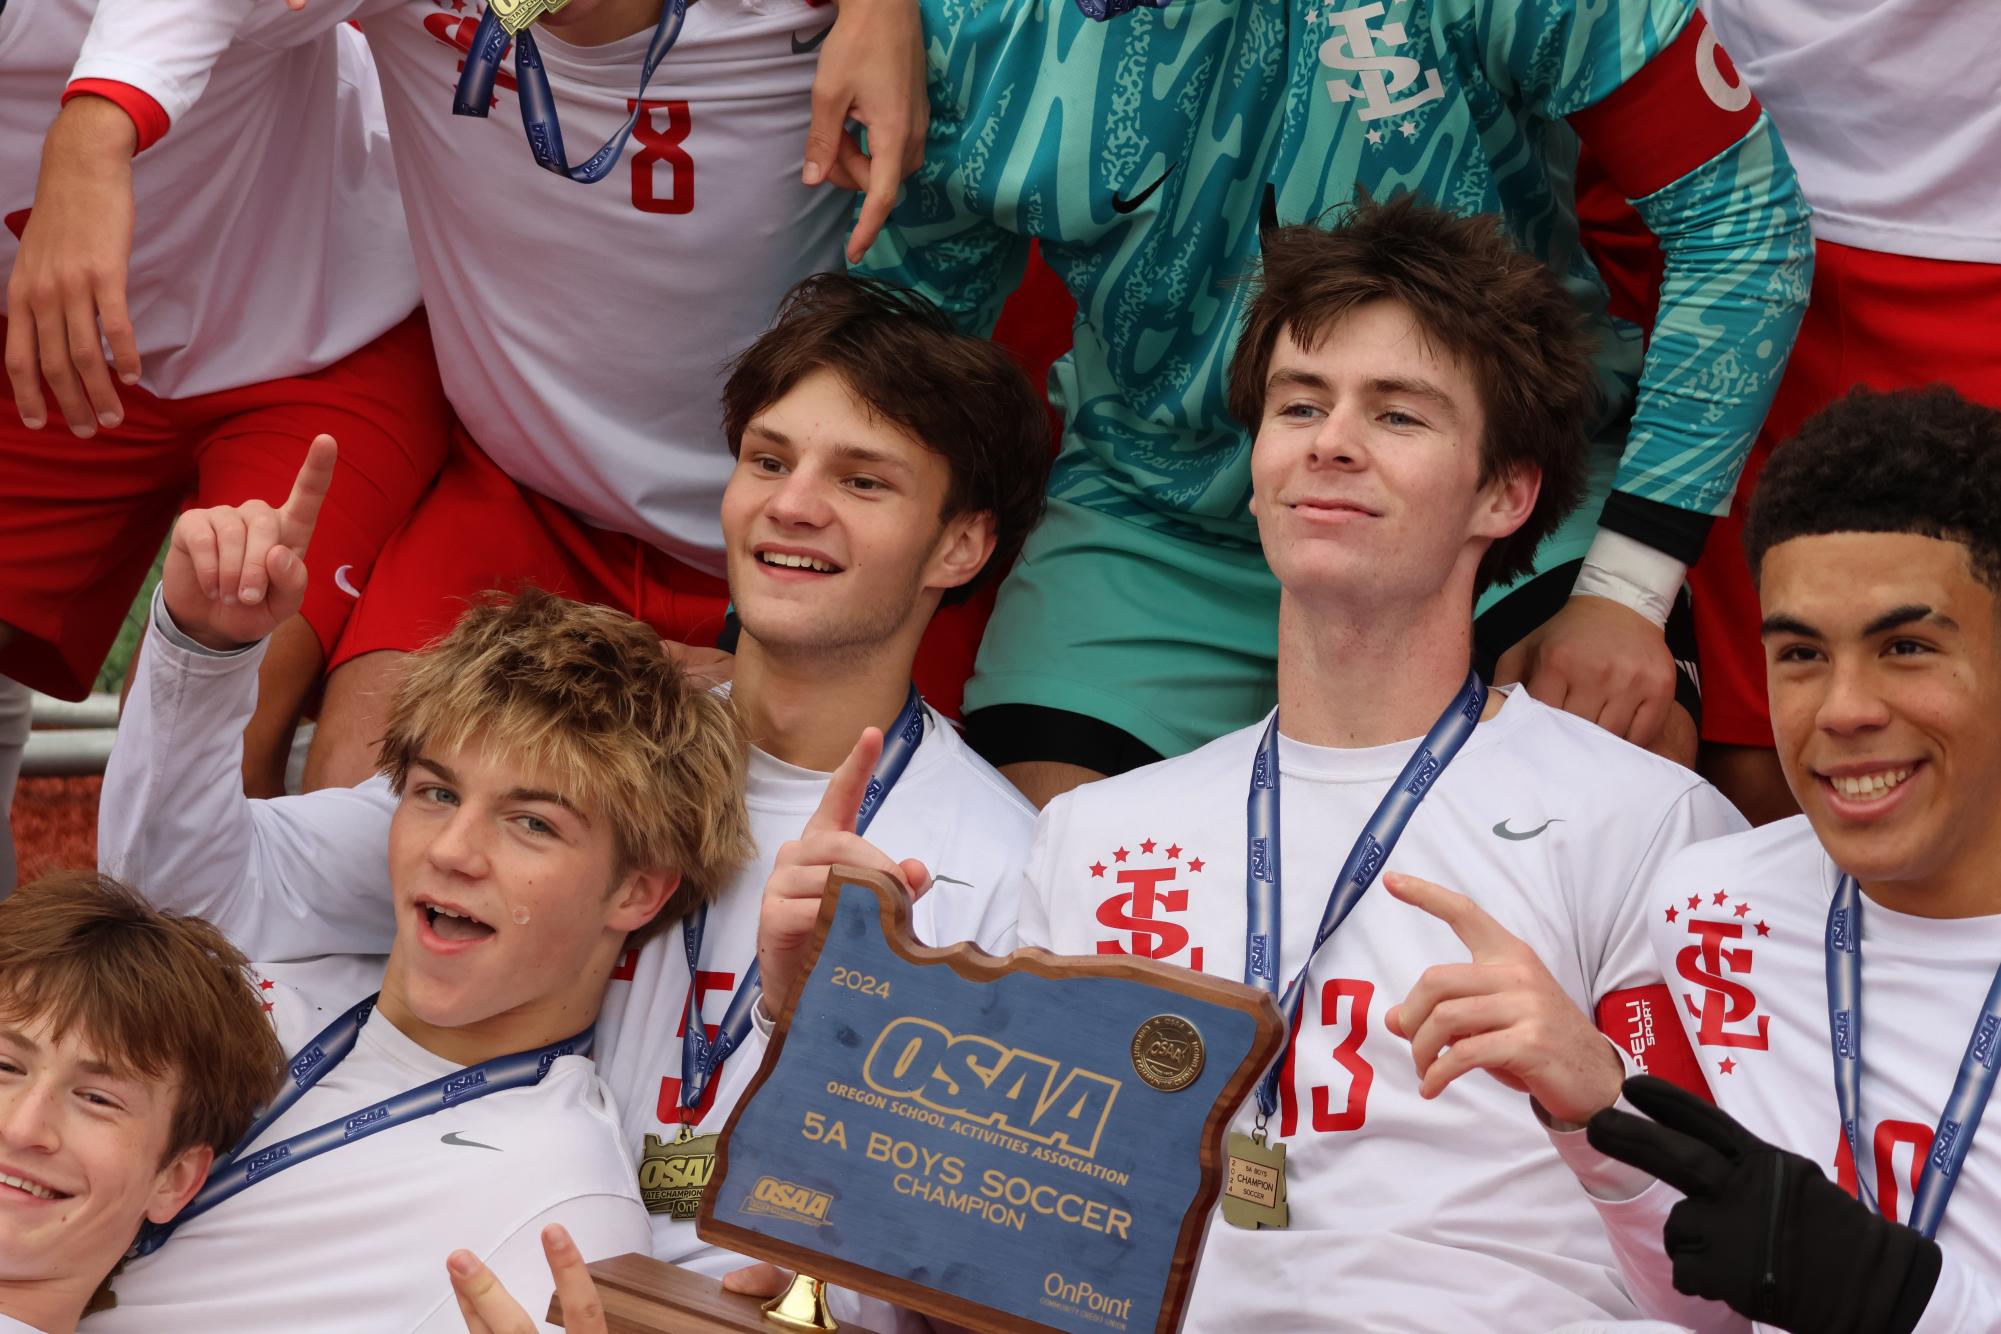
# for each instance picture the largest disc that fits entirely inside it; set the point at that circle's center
(82, 520)
(1887, 321)
(479, 529)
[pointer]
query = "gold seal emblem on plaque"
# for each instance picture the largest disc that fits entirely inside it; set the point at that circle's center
(1167, 1052)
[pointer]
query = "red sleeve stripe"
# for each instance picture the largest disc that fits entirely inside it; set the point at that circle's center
(1677, 112)
(148, 116)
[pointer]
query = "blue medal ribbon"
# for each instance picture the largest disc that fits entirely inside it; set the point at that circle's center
(235, 1173)
(1262, 892)
(1970, 1088)
(701, 1058)
(474, 94)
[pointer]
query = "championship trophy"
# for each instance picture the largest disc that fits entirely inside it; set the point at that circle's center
(1024, 1143)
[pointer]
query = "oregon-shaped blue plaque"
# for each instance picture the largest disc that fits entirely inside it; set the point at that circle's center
(1028, 1142)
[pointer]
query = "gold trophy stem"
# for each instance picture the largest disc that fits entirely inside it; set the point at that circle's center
(802, 1306)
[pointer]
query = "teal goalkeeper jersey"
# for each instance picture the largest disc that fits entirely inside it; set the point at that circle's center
(1140, 153)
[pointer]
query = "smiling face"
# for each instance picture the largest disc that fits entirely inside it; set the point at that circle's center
(511, 908)
(1366, 468)
(81, 1148)
(833, 530)
(1885, 680)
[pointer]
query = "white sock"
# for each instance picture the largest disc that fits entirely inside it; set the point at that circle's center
(14, 723)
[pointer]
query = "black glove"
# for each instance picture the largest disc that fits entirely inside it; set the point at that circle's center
(1763, 1229)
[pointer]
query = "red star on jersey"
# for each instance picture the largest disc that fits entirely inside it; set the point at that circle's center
(265, 984)
(1097, 870)
(1742, 909)
(1146, 846)
(1174, 851)
(1671, 913)
(268, 1006)
(1720, 897)
(1195, 864)
(1726, 1065)
(1694, 902)
(1119, 855)
(1764, 930)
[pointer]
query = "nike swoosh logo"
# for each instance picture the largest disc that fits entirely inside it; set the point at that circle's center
(948, 880)
(1120, 204)
(341, 582)
(453, 1138)
(812, 43)
(1503, 831)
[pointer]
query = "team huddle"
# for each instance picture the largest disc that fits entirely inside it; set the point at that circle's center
(634, 556)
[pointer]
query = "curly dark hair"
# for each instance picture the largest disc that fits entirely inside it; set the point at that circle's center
(1476, 295)
(961, 396)
(1925, 461)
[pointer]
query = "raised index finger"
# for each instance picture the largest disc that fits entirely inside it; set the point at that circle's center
(309, 491)
(1477, 931)
(842, 801)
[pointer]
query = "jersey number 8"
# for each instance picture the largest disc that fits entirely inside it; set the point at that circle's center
(660, 145)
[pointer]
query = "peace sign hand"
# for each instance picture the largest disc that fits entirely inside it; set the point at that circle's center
(236, 572)
(799, 873)
(1502, 1013)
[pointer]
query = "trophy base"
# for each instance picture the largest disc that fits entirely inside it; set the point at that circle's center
(642, 1295)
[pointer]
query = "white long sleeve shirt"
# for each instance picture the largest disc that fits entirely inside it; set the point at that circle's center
(299, 876)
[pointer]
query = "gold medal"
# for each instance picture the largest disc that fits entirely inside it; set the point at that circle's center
(514, 15)
(1254, 1183)
(674, 1173)
(1167, 1052)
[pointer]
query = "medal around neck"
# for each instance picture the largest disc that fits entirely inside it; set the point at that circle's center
(1029, 1142)
(514, 15)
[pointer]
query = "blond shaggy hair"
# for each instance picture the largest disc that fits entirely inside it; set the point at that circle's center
(589, 695)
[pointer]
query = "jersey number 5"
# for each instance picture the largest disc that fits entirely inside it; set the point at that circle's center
(1344, 1007)
(659, 149)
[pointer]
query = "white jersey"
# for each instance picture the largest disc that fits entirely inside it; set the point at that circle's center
(580, 329)
(1738, 926)
(354, 1241)
(1889, 111)
(1405, 1214)
(9, 1325)
(298, 876)
(269, 241)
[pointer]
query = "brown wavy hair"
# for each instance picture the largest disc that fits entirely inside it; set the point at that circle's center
(1475, 296)
(158, 995)
(961, 397)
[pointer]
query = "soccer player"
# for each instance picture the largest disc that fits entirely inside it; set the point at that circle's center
(1831, 966)
(1419, 389)
(884, 465)
(579, 326)
(256, 286)
(1146, 153)
(132, 1054)
(563, 793)
(1906, 285)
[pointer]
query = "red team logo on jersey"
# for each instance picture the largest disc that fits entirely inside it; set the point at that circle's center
(1722, 954)
(1153, 884)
